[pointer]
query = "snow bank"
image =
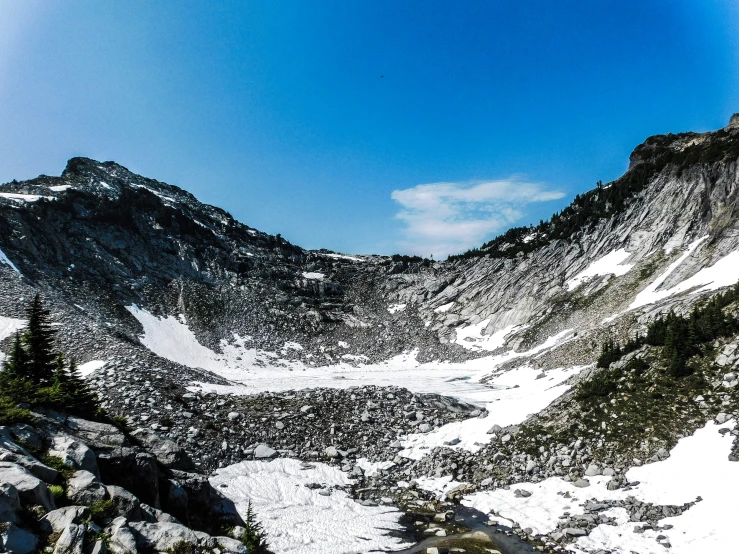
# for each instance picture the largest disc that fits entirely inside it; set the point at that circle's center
(444, 308)
(60, 188)
(6, 261)
(697, 466)
(471, 337)
(313, 275)
(610, 264)
(300, 520)
(89, 367)
(24, 197)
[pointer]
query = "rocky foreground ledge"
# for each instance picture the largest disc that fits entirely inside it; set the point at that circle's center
(68, 485)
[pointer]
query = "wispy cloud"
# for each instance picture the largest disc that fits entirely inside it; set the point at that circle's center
(447, 218)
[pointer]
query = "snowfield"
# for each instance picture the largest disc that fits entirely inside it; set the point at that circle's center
(610, 264)
(697, 466)
(302, 520)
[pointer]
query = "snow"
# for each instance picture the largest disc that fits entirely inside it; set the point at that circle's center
(313, 275)
(299, 520)
(610, 264)
(60, 188)
(650, 294)
(373, 468)
(24, 197)
(344, 257)
(6, 261)
(698, 466)
(438, 485)
(509, 396)
(444, 308)
(151, 190)
(395, 308)
(8, 326)
(87, 368)
(471, 337)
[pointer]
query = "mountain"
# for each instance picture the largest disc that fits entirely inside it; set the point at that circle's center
(563, 358)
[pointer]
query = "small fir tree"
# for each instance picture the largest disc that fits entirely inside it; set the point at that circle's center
(254, 537)
(38, 341)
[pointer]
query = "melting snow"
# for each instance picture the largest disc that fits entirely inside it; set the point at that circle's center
(471, 337)
(697, 466)
(609, 264)
(301, 520)
(313, 275)
(60, 188)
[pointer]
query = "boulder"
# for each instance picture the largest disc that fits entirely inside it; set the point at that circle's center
(96, 434)
(133, 470)
(581, 483)
(75, 454)
(31, 490)
(232, 546)
(71, 541)
(167, 452)
(263, 451)
(122, 538)
(125, 503)
(43, 472)
(10, 503)
(58, 520)
(161, 536)
(15, 540)
(28, 436)
(84, 488)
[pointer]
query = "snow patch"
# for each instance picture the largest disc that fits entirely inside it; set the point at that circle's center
(471, 337)
(6, 261)
(444, 308)
(313, 275)
(301, 520)
(60, 188)
(24, 197)
(395, 308)
(87, 368)
(698, 466)
(344, 257)
(609, 264)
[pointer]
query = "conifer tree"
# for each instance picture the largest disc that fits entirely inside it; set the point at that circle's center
(254, 537)
(38, 341)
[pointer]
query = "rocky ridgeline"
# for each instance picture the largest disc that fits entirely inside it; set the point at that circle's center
(69, 485)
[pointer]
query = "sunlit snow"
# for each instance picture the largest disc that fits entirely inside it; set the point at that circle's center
(313, 275)
(302, 520)
(610, 264)
(697, 466)
(87, 368)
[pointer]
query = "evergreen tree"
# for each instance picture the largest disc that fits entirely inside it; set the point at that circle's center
(254, 537)
(38, 341)
(16, 364)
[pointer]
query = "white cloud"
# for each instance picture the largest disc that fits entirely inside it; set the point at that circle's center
(448, 218)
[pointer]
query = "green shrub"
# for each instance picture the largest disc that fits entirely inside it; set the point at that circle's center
(57, 491)
(102, 510)
(55, 462)
(599, 386)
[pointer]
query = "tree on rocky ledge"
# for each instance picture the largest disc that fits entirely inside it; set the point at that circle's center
(35, 375)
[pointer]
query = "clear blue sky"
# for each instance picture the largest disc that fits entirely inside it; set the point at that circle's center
(487, 113)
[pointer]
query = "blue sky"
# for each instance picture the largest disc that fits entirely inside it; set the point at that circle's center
(364, 127)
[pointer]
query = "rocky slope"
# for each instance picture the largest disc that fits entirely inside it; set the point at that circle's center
(128, 263)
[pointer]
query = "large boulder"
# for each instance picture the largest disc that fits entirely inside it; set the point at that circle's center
(96, 434)
(75, 453)
(204, 503)
(31, 490)
(28, 436)
(71, 541)
(43, 472)
(57, 521)
(167, 452)
(133, 470)
(161, 536)
(125, 503)
(122, 538)
(15, 540)
(8, 443)
(10, 503)
(84, 488)
(232, 546)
